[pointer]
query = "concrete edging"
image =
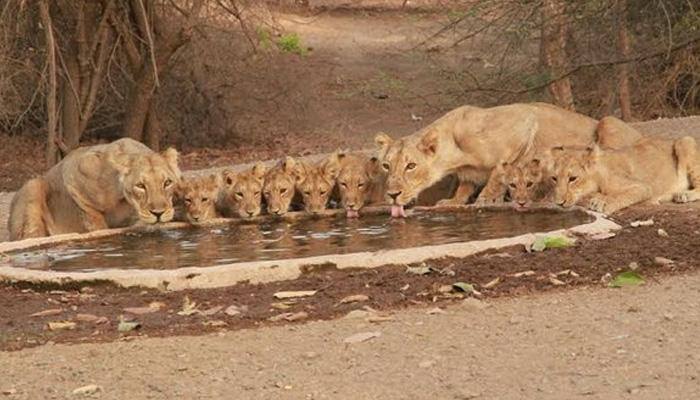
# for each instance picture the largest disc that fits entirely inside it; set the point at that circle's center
(268, 270)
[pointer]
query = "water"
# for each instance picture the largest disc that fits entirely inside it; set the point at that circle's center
(276, 239)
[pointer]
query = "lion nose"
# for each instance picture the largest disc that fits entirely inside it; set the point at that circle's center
(561, 202)
(351, 206)
(394, 195)
(250, 213)
(195, 218)
(157, 213)
(522, 202)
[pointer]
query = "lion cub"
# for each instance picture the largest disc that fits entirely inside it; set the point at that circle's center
(242, 192)
(652, 170)
(316, 182)
(522, 182)
(279, 188)
(196, 198)
(360, 181)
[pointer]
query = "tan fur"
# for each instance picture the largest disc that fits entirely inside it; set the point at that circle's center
(196, 198)
(653, 170)
(523, 182)
(29, 213)
(105, 186)
(316, 182)
(360, 181)
(279, 188)
(471, 141)
(242, 194)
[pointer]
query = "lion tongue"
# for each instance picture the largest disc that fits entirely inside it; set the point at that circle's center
(397, 211)
(352, 214)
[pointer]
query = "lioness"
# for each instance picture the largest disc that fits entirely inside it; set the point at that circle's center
(196, 198)
(98, 187)
(279, 188)
(242, 194)
(360, 182)
(470, 142)
(315, 182)
(653, 170)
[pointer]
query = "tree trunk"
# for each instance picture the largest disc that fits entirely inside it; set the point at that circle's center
(138, 104)
(53, 155)
(153, 128)
(623, 44)
(553, 52)
(70, 108)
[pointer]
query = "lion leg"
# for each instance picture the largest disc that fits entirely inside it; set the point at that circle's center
(29, 215)
(613, 133)
(625, 195)
(494, 191)
(686, 151)
(461, 196)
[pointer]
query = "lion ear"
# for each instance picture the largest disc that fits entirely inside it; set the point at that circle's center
(383, 141)
(294, 168)
(331, 167)
(429, 142)
(259, 170)
(171, 155)
(373, 168)
(228, 178)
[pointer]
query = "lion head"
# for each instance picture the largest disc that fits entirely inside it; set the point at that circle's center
(279, 188)
(572, 174)
(199, 195)
(243, 191)
(523, 181)
(316, 182)
(356, 177)
(409, 165)
(148, 182)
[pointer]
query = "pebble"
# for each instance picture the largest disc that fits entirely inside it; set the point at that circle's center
(662, 233)
(663, 261)
(633, 266)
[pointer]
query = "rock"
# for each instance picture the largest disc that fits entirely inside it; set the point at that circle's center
(291, 317)
(663, 261)
(637, 224)
(633, 266)
(356, 298)
(445, 289)
(357, 314)
(215, 323)
(47, 313)
(86, 318)
(87, 390)
(310, 355)
(662, 233)
(61, 325)
(211, 311)
(361, 337)
(602, 236)
(234, 310)
(127, 326)
(292, 294)
(605, 279)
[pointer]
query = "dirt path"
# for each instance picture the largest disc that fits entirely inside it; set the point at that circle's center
(636, 343)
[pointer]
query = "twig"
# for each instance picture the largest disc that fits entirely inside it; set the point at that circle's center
(150, 44)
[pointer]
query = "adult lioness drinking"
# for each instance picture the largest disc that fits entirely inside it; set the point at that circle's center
(97, 187)
(470, 141)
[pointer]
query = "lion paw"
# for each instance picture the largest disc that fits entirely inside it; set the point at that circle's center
(598, 204)
(681, 197)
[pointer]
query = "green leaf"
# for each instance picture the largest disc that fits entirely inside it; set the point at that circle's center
(539, 244)
(126, 326)
(551, 242)
(463, 287)
(629, 278)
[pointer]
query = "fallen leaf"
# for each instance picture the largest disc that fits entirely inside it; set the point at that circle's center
(555, 281)
(140, 310)
(189, 307)
(602, 236)
(636, 224)
(127, 326)
(291, 317)
(423, 270)
(523, 273)
(463, 287)
(629, 278)
(663, 261)
(405, 287)
(60, 325)
(212, 311)
(46, 313)
(492, 283)
(361, 337)
(214, 323)
(356, 298)
(284, 305)
(436, 310)
(288, 295)
(86, 318)
(233, 310)
(87, 390)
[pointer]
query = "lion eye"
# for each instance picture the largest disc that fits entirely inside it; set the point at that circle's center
(512, 185)
(229, 181)
(410, 166)
(386, 166)
(239, 194)
(188, 201)
(359, 185)
(167, 183)
(307, 193)
(554, 178)
(529, 184)
(323, 192)
(205, 199)
(140, 186)
(343, 184)
(257, 194)
(572, 178)
(283, 190)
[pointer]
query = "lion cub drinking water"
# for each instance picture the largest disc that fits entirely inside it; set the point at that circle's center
(523, 182)
(196, 198)
(279, 188)
(315, 182)
(242, 193)
(652, 170)
(360, 182)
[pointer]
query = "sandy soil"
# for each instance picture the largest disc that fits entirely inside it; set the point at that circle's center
(636, 343)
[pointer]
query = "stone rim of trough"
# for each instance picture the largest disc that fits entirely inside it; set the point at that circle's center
(269, 270)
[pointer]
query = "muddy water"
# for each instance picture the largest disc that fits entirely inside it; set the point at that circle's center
(168, 249)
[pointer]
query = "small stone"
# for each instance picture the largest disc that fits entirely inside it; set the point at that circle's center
(663, 261)
(556, 282)
(361, 337)
(310, 355)
(87, 390)
(636, 224)
(405, 287)
(436, 310)
(445, 289)
(86, 318)
(633, 266)
(662, 233)
(234, 310)
(292, 294)
(606, 278)
(356, 298)
(61, 325)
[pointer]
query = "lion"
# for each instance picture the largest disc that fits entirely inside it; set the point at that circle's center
(196, 198)
(523, 183)
(98, 187)
(242, 194)
(652, 171)
(360, 182)
(470, 142)
(280, 187)
(316, 182)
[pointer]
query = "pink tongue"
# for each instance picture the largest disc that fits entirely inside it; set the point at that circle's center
(352, 214)
(397, 211)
